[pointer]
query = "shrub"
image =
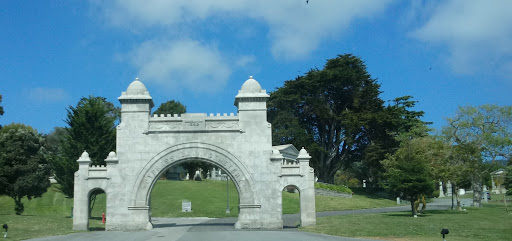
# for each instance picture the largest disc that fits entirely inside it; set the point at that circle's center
(336, 188)
(436, 193)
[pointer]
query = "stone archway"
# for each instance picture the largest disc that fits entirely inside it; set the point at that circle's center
(241, 144)
(237, 171)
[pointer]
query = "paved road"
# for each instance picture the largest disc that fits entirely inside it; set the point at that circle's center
(185, 229)
(194, 229)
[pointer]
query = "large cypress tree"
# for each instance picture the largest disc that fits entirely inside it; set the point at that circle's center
(328, 112)
(91, 128)
(338, 115)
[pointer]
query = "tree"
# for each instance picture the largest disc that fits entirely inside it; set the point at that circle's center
(385, 135)
(508, 179)
(454, 168)
(337, 114)
(25, 171)
(408, 171)
(91, 128)
(484, 130)
(1, 109)
(55, 139)
(171, 108)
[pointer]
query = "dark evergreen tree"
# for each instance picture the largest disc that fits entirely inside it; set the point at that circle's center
(171, 108)
(91, 128)
(337, 114)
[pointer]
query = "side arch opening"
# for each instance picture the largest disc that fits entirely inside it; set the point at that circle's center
(97, 209)
(291, 206)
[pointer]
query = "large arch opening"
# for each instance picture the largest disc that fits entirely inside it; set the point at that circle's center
(209, 194)
(236, 171)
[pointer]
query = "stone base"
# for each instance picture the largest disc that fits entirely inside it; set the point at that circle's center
(305, 223)
(80, 226)
(128, 226)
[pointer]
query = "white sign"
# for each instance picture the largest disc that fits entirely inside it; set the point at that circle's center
(186, 206)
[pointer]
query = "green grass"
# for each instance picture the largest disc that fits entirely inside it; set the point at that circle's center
(208, 199)
(46, 216)
(51, 214)
(488, 223)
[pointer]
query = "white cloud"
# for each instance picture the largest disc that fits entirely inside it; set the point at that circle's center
(295, 28)
(245, 60)
(47, 94)
(181, 63)
(478, 34)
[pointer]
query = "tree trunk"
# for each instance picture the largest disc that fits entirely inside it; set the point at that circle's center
(413, 208)
(19, 208)
(458, 201)
(477, 191)
(326, 175)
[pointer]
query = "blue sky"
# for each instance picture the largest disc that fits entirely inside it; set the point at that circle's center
(444, 53)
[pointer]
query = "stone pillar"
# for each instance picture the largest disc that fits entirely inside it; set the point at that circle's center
(441, 192)
(307, 193)
(449, 188)
(81, 194)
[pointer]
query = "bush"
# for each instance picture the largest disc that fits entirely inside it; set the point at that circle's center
(436, 193)
(336, 188)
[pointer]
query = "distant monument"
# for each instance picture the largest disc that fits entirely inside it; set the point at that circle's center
(240, 145)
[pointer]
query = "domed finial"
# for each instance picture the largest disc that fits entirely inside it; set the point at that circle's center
(250, 77)
(84, 155)
(303, 154)
(137, 79)
(84, 158)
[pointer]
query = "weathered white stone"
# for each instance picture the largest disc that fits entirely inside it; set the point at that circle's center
(441, 192)
(241, 145)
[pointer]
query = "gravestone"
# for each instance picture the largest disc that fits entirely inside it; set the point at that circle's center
(441, 192)
(448, 188)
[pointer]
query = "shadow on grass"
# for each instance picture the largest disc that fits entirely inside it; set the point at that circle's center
(96, 229)
(373, 194)
(426, 213)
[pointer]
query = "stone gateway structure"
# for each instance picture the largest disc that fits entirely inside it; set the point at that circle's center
(239, 144)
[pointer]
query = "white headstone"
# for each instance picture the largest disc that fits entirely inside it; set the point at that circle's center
(449, 188)
(398, 200)
(441, 192)
(462, 191)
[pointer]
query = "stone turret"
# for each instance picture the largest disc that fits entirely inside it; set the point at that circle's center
(251, 102)
(136, 104)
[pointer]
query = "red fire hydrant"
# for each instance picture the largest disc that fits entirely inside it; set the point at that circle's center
(103, 218)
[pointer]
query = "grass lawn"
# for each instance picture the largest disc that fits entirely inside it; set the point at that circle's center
(51, 214)
(46, 216)
(488, 223)
(209, 200)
